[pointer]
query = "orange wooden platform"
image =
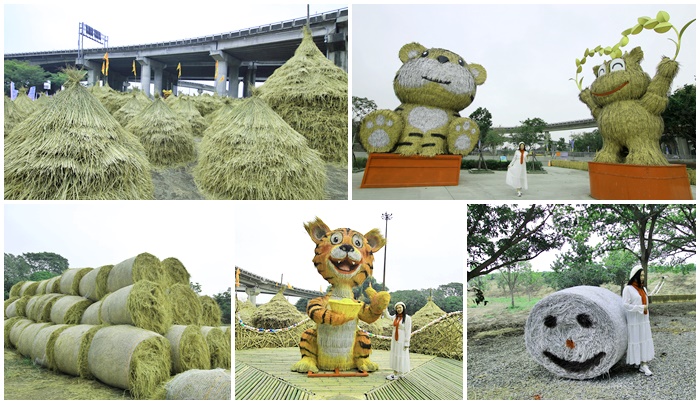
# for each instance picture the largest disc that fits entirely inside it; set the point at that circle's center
(387, 170)
(627, 181)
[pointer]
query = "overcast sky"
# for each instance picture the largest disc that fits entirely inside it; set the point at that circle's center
(426, 240)
(92, 234)
(528, 51)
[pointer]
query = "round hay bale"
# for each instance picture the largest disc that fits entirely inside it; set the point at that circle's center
(41, 311)
(44, 338)
(70, 280)
(130, 358)
(577, 333)
(69, 353)
(92, 314)
(27, 337)
(15, 289)
(69, 309)
(142, 304)
(93, 285)
(54, 285)
(214, 384)
(11, 307)
(188, 348)
(277, 313)
(219, 347)
(16, 330)
(41, 289)
(141, 267)
(426, 314)
(21, 305)
(9, 323)
(29, 308)
(175, 272)
(28, 288)
(185, 304)
(211, 312)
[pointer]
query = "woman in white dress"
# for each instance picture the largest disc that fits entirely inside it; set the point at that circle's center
(400, 341)
(517, 170)
(640, 346)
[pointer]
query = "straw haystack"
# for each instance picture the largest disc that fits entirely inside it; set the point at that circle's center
(215, 118)
(166, 137)
(185, 304)
(245, 310)
(277, 313)
(25, 105)
(195, 384)
(144, 266)
(206, 104)
(186, 109)
(142, 304)
(136, 103)
(175, 272)
(311, 94)
(219, 346)
(258, 156)
(211, 312)
(13, 115)
(188, 348)
(426, 314)
(112, 100)
(75, 149)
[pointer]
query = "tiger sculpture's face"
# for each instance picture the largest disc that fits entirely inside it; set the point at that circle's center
(344, 257)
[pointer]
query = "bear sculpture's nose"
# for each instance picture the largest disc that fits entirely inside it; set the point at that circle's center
(346, 247)
(443, 59)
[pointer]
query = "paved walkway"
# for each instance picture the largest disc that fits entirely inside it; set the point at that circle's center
(557, 184)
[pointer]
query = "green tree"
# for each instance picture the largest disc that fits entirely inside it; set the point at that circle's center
(532, 281)
(16, 269)
(452, 289)
(493, 140)
(588, 141)
(359, 291)
(531, 131)
(301, 304)
(196, 287)
(451, 304)
(46, 261)
(413, 299)
(511, 276)
(679, 116)
(224, 301)
(576, 266)
(41, 275)
(24, 74)
(561, 144)
(482, 117)
(619, 263)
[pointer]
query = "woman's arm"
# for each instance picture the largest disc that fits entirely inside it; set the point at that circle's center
(629, 294)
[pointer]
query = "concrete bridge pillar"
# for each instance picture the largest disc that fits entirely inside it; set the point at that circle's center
(233, 80)
(227, 72)
(148, 64)
(250, 77)
(93, 69)
(337, 49)
(252, 292)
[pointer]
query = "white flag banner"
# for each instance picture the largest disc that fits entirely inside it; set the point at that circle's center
(32, 93)
(13, 92)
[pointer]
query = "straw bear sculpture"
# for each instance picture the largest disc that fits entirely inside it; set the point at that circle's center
(344, 258)
(627, 104)
(433, 85)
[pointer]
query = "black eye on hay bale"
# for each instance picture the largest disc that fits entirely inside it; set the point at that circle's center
(257, 155)
(69, 309)
(188, 348)
(130, 358)
(214, 384)
(577, 333)
(27, 337)
(28, 288)
(142, 304)
(185, 304)
(69, 351)
(45, 338)
(93, 285)
(92, 314)
(175, 272)
(211, 312)
(219, 347)
(144, 266)
(70, 280)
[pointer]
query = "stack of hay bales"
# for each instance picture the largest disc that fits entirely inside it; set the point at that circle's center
(75, 149)
(277, 313)
(311, 94)
(137, 102)
(426, 314)
(257, 155)
(122, 335)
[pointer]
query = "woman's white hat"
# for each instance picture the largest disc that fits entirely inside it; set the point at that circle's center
(400, 303)
(634, 270)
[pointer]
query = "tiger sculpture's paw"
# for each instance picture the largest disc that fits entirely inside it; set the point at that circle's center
(379, 302)
(463, 136)
(305, 365)
(366, 365)
(380, 131)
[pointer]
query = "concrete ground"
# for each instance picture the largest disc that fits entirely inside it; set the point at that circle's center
(557, 184)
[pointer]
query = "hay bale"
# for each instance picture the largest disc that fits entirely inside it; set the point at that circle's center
(21, 306)
(426, 314)
(311, 94)
(70, 280)
(130, 358)
(141, 267)
(258, 156)
(142, 304)
(69, 309)
(41, 310)
(12, 312)
(211, 312)
(175, 272)
(188, 348)
(41, 289)
(185, 304)
(219, 347)
(93, 285)
(75, 149)
(28, 288)
(135, 104)
(29, 309)
(166, 137)
(577, 333)
(9, 323)
(54, 285)
(277, 313)
(16, 330)
(92, 314)
(15, 289)
(214, 384)
(245, 311)
(12, 115)
(69, 353)
(43, 343)
(27, 337)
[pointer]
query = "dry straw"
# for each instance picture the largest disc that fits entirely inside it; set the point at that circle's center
(111, 99)
(11, 307)
(93, 285)
(21, 306)
(219, 347)
(130, 358)
(16, 288)
(41, 289)
(277, 313)
(206, 104)
(45, 338)
(54, 285)
(16, 330)
(142, 304)
(9, 323)
(211, 312)
(185, 304)
(28, 288)
(25, 105)
(92, 314)
(257, 155)
(69, 352)
(188, 348)
(141, 267)
(27, 337)
(214, 384)
(69, 309)
(70, 280)
(311, 94)
(175, 272)
(41, 310)
(166, 137)
(426, 314)
(13, 115)
(137, 102)
(75, 149)
(186, 109)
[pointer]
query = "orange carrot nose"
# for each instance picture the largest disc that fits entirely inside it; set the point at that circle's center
(570, 344)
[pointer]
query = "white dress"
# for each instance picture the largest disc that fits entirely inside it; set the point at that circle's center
(517, 173)
(640, 346)
(399, 359)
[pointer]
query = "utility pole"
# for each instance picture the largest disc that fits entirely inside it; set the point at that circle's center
(386, 217)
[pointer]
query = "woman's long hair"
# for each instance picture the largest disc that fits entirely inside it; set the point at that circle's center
(637, 277)
(403, 313)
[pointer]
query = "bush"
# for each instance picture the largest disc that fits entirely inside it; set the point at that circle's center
(496, 165)
(576, 165)
(359, 163)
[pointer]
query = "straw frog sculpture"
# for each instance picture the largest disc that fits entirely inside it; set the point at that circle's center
(627, 104)
(433, 85)
(344, 258)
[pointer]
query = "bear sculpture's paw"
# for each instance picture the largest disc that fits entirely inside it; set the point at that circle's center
(463, 136)
(380, 131)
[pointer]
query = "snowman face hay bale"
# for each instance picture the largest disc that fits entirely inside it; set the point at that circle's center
(185, 304)
(166, 137)
(219, 347)
(175, 272)
(142, 304)
(92, 314)
(577, 333)
(197, 384)
(69, 309)
(188, 348)
(130, 358)
(93, 285)
(70, 280)
(211, 312)
(257, 155)
(69, 352)
(141, 267)
(74, 149)
(45, 338)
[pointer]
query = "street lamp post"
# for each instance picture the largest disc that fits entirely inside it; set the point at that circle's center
(386, 217)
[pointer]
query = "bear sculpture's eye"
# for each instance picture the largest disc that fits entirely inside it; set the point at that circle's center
(336, 238)
(584, 320)
(550, 321)
(617, 64)
(424, 54)
(461, 62)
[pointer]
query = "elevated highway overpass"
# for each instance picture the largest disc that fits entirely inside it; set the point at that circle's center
(253, 285)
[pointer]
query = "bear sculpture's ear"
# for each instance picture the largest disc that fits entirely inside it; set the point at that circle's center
(478, 72)
(411, 51)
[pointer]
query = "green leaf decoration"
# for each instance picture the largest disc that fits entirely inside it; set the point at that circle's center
(650, 24)
(637, 29)
(663, 16)
(643, 20)
(624, 41)
(627, 32)
(607, 50)
(579, 69)
(663, 27)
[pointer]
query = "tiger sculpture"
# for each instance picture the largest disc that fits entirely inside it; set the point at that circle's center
(344, 258)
